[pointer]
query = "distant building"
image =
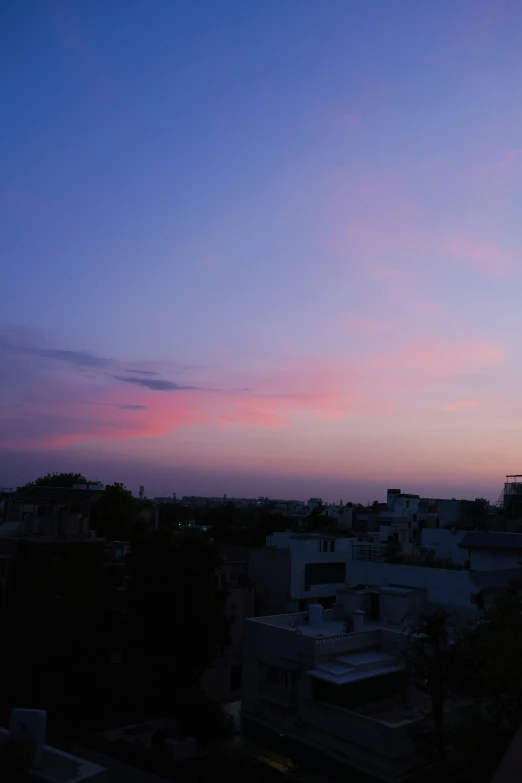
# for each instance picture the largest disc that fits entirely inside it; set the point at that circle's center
(50, 511)
(492, 551)
(295, 569)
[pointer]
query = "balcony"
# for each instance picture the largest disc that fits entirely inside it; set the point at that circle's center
(277, 694)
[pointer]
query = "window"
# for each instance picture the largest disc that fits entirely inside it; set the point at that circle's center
(281, 678)
(236, 673)
(328, 545)
(324, 574)
(272, 675)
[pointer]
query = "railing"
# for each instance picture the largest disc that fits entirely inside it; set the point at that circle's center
(368, 552)
(348, 641)
(278, 694)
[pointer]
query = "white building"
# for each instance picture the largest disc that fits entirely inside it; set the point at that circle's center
(342, 514)
(464, 593)
(492, 551)
(343, 693)
(296, 569)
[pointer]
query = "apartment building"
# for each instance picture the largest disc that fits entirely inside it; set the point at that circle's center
(295, 569)
(334, 681)
(223, 680)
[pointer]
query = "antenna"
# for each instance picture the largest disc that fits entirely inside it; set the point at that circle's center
(142, 491)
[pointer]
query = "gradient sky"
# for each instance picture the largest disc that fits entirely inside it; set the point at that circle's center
(268, 247)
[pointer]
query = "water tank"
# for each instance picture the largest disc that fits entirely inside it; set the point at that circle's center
(358, 620)
(315, 614)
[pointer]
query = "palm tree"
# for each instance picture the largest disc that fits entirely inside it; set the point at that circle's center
(427, 657)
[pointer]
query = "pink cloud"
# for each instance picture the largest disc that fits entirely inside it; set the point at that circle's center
(60, 403)
(368, 326)
(455, 406)
(443, 357)
(486, 258)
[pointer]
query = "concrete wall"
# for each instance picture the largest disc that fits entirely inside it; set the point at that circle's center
(444, 587)
(299, 559)
(269, 570)
(446, 544)
(494, 561)
(449, 512)
(278, 572)
(395, 608)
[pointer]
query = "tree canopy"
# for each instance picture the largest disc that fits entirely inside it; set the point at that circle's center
(116, 513)
(477, 673)
(179, 615)
(60, 480)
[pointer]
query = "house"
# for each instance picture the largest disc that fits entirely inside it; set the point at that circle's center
(433, 512)
(336, 683)
(222, 682)
(27, 732)
(493, 551)
(464, 593)
(50, 511)
(81, 766)
(295, 569)
(342, 514)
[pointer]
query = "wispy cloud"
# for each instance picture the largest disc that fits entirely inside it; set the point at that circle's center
(459, 404)
(77, 358)
(156, 384)
(49, 409)
(140, 372)
(490, 259)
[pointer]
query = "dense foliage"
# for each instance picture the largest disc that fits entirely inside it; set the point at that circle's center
(476, 675)
(60, 480)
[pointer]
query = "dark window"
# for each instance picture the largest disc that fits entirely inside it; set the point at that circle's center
(324, 574)
(280, 677)
(358, 694)
(272, 675)
(236, 672)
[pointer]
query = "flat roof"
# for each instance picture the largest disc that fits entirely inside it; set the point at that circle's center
(325, 628)
(60, 767)
(492, 541)
(357, 666)
(396, 590)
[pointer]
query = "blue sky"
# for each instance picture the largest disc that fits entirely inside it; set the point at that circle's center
(299, 220)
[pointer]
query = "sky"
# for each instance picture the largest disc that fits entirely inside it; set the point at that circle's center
(262, 248)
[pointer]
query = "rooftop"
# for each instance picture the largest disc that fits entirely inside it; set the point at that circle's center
(500, 542)
(357, 666)
(59, 767)
(328, 629)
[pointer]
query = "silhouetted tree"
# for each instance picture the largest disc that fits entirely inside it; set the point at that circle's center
(60, 480)
(179, 622)
(115, 513)
(427, 658)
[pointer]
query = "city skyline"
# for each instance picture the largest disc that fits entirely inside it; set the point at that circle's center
(271, 249)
